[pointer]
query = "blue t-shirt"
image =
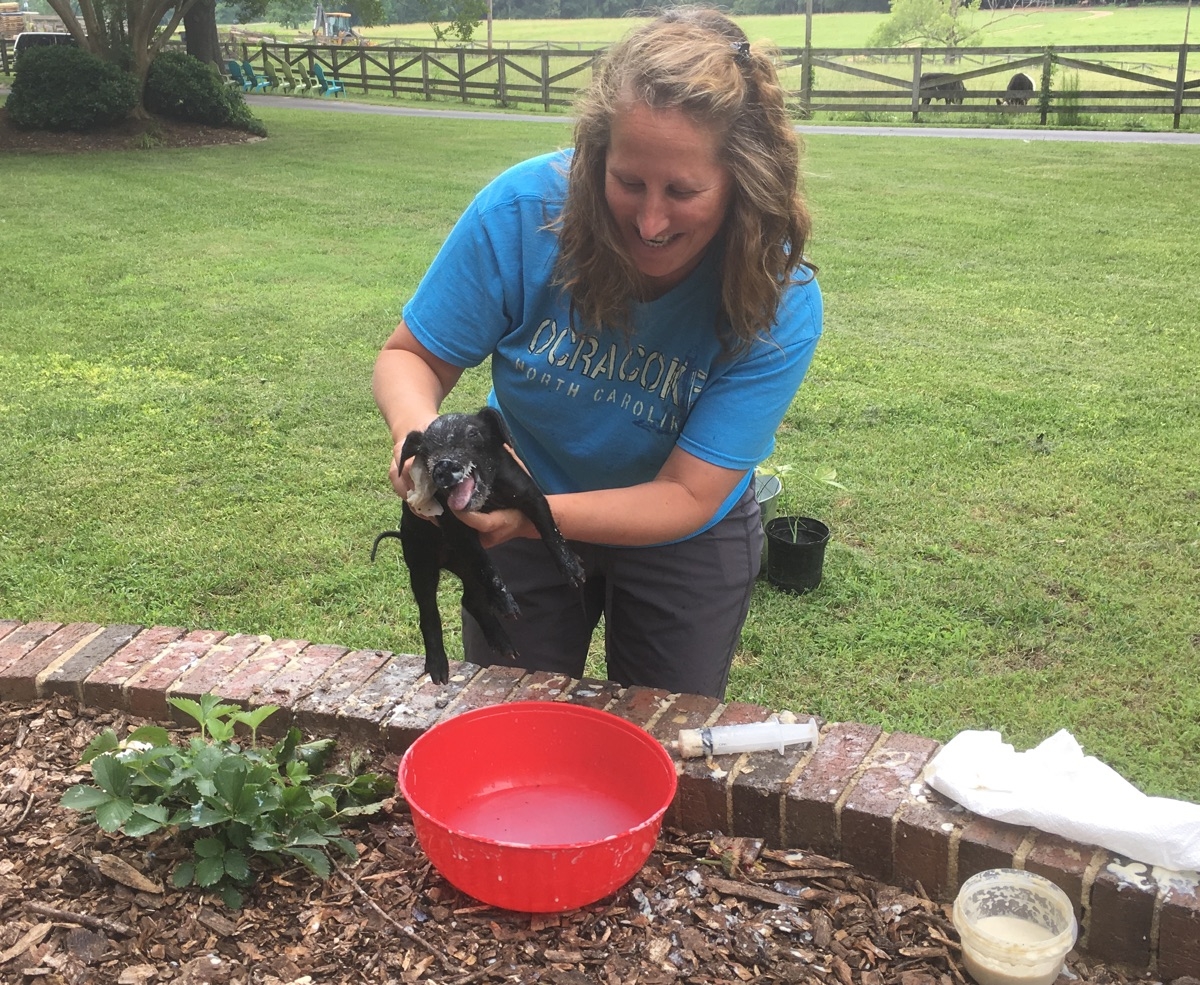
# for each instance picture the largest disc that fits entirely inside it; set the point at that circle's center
(600, 411)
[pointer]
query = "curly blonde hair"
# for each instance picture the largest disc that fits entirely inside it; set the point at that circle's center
(698, 61)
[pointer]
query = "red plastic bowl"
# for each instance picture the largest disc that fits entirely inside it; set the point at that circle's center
(537, 806)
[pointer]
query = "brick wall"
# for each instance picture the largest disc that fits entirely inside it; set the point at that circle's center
(857, 796)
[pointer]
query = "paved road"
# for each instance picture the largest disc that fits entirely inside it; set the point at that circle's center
(975, 133)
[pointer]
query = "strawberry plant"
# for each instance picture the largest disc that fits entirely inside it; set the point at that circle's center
(235, 802)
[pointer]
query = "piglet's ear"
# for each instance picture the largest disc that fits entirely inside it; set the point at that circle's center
(495, 423)
(411, 446)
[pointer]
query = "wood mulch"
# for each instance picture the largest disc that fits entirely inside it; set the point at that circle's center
(132, 134)
(80, 906)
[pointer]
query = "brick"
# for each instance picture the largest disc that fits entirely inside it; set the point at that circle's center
(67, 676)
(687, 711)
(103, 687)
(491, 686)
(22, 639)
(594, 694)
(317, 712)
(868, 812)
(214, 672)
(810, 810)
(145, 692)
(7, 626)
(1179, 933)
(245, 688)
(703, 797)
(987, 844)
(1064, 863)
(298, 677)
(926, 829)
(18, 680)
(640, 705)
(399, 703)
(541, 685)
(760, 781)
(1121, 913)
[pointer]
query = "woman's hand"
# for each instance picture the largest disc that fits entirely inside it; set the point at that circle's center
(498, 526)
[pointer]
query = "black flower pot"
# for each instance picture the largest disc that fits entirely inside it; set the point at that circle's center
(795, 552)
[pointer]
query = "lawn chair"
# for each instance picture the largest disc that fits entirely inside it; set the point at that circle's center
(278, 86)
(235, 73)
(223, 75)
(302, 86)
(310, 84)
(328, 87)
(257, 83)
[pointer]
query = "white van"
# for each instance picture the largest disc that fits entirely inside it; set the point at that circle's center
(31, 39)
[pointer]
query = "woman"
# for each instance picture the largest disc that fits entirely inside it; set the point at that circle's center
(649, 316)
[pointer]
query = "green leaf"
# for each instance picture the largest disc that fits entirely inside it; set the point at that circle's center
(345, 846)
(112, 815)
(183, 875)
(209, 847)
(204, 816)
(230, 779)
(154, 735)
(209, 871)
(111, 775)
(255, 717)
(106, 741)
(313, 859)
(145, 821)
(316, 754)
(188, 707)
(237, 867)
(84, 798)
(231, 897)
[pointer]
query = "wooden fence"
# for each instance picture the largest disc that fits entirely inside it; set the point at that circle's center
(853, 84)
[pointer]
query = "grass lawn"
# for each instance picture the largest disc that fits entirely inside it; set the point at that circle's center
(1099, 24)
(1007, 389)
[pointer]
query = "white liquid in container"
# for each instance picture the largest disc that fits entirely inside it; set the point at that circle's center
(1014, 929)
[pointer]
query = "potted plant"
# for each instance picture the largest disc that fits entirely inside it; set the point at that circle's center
(794, 545)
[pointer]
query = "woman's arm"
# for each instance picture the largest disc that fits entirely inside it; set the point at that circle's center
(409, 384)
(678, 501)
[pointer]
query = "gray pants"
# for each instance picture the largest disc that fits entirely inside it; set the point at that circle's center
(672, 615)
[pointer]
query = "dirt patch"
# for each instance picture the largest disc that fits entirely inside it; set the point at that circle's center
(705, 909)
(132, 134)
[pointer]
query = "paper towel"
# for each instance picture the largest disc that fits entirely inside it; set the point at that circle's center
(1056, 788)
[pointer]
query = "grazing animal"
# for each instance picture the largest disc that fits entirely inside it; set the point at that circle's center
(1020, 88)
(941, 85)
(461, 462)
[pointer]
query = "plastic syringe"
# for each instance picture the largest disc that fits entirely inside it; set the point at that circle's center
(720, 740)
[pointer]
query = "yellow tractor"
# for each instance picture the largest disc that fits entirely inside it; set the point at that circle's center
(334, 28)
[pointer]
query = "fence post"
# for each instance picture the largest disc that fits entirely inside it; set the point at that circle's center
(502, 80)
(1180, 79)
(916, 86)
(1047, 71)
(462, 73)
(425, 75)
(546, 80)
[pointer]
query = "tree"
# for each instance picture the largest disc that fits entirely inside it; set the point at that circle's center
(935, 22)
(464, 16)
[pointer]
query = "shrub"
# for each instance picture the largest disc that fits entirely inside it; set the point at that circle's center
(61, 87)
(184, 88)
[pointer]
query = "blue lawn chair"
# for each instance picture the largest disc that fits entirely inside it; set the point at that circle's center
(257, 83)
(235, 73)
(328, 87)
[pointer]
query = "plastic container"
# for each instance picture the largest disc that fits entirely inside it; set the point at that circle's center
(720, 740)
(796, 552)
(537, 806)
(1016, 927)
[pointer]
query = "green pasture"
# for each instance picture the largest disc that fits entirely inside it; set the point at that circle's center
(1074, 89)
(1006, 388)
(1099, 24)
